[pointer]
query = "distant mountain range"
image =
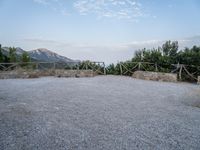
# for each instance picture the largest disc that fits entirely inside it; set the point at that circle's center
(40, 55)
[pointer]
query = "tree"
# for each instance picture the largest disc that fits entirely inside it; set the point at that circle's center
(111, 69)
(170, 48)
(12, 54)
(170, 52)
(1, 55)
(25, 57)
(138, 57)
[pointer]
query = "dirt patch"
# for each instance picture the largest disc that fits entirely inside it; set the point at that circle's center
(193, 98)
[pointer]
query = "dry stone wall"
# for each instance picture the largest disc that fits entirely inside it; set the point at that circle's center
(155, 76)
(38, 73)
(74, 73)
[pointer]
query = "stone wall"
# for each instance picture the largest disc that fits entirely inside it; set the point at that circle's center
(38, 73)
(155, 76)
(74, 73)
(18, 74)
(198, 82)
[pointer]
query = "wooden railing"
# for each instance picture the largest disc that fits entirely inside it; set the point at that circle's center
(182, 70)
(97, 67)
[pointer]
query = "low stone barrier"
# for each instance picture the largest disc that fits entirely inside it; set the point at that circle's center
(74, 73)
(198, 82)
(24, 74)
(40, 73)
(9, 75)
(155, 76)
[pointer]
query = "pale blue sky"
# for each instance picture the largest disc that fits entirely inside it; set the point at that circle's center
(102, 30)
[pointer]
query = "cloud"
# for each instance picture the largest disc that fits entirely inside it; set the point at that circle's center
(119, 9)
(109, 53)
(41, 41)
(55, 5)
(116, 9)
(44, 2)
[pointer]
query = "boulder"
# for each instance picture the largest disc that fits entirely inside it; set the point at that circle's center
(155, 76)
(74, 73)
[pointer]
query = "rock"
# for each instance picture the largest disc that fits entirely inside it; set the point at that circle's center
(198, 82)
(155, 76)
(74, 73)
(40, 73)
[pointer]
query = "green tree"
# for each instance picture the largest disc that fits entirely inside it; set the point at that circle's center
(170, 48)
(163, 57)
(25, 57)
(170, 52)
(138, 56)
(12, 54)
(111, 69)
(1, 55)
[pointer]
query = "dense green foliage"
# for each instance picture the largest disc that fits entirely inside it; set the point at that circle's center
(169, 54)
(96, 67)
(1, 55)
(12, 54)
(161, 59)
(25, 57)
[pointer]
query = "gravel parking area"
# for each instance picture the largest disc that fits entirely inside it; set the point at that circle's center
(104, 112)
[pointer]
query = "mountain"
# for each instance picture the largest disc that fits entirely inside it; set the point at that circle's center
(19, 51)
(46, 55)
(40, 55)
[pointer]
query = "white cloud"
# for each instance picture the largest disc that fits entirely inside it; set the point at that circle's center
(110, 53)
(55, 5)
(120, 9)
(44, 2)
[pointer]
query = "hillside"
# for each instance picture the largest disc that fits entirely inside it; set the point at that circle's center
(41, 54)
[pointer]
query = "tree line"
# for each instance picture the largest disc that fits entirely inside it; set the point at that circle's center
(164, 57)
(12, 57)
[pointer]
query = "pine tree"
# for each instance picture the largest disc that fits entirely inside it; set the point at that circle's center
(1, 55)
(12, 54)
(25, 57)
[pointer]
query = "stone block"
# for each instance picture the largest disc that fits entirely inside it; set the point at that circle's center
(155, 76)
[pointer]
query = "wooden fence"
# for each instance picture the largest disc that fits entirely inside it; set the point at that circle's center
(183, 71)
(126, 68)
(97, 67)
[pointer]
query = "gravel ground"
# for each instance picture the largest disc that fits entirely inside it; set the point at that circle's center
(104, 112)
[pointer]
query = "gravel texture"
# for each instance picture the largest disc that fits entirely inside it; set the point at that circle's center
(104, 112)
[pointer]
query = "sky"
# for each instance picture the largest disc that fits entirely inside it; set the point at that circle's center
(98, 30)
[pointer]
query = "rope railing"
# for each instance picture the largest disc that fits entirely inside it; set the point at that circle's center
(127, 68)
(98, 67)
(181, 69)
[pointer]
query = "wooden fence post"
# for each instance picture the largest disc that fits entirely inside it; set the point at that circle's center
(104, 68)
(54, 65)
(180, 72)
(120, 66)
(139, 66)
(86, 66)
(37, 66)
(156, 67)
